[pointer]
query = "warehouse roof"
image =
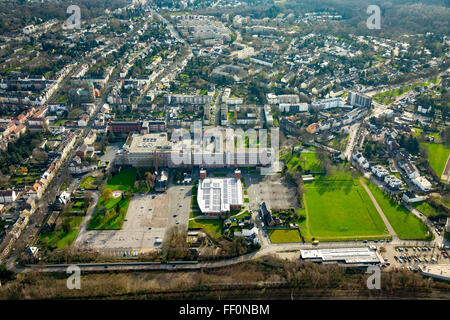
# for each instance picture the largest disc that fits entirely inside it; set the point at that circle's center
(347, 255)
(217, 194)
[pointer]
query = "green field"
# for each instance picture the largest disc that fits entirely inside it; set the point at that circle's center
(406, 225)
(426, 209)
(437, 156)
(87, 183)
(59, 239)
(123, 180)
(110, 214)
(305, 160)
(340, 208)
(387, 97)
(284, 235)
(211, 226)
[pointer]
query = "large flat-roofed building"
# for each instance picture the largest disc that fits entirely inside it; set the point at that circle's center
(124, 126)
(359, 100)
(142, 150)
(150, 126)
(188, 99)
(328, 103)
(362, 255)
(217, 196)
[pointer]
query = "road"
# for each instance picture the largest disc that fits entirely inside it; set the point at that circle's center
(352, 140)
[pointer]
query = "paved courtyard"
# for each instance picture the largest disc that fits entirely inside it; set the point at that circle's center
(146, 221)
(149, 217)
(273, 189)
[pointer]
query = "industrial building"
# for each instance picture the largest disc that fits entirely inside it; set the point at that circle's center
(217, 196)
(354, 256)
(153, 149)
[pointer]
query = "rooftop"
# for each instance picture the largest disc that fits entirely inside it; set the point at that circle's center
(347, 255)
(217, 194)
(148, 142)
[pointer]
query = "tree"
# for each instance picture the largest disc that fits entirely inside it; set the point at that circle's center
(22, 171)
(4, 180)
(150, 179)
(40, 155)
(445, 135)
(106, 194)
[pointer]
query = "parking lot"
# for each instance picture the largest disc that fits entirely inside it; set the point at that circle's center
(144, 224)
(273, 189)
(412, 257)
(179, 206)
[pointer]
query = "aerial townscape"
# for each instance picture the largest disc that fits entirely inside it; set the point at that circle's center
(207, 149)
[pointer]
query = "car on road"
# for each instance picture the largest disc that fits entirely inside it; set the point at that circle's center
(174, 216)
(149, 228)
(178, 222)
(180, 205)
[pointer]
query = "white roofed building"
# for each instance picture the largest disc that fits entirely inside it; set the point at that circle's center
(217, 196)
(422, 183)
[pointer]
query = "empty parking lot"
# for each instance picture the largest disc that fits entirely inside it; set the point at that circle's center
(145, 222)
(273, 189)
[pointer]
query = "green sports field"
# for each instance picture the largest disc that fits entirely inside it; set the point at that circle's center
(341, 209)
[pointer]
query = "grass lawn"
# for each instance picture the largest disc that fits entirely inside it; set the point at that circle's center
(284, 235)
(437, 156)
(64, 186)
(426, 209)
(87, 183)
(117, 207)
(123, 180)
(211, 226)
(241, 215)
(100, 220)
(59, 239)
(387, 97)
(340, 208)
(305, 160)
(405, 224)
